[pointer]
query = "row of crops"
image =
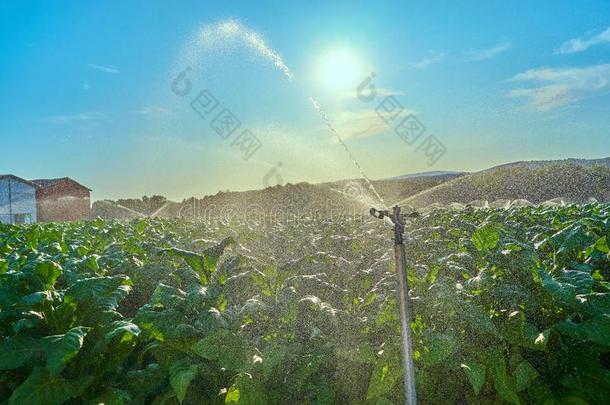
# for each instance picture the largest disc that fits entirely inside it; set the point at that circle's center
(509, 306)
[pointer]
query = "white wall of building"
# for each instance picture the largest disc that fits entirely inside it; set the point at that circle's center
(22, 200)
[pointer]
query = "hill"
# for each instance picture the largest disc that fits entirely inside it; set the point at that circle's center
(331, 198)
(574, 180)
(571, 180)
(299, 199)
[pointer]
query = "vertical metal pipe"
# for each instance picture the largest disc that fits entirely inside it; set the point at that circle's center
(400, 257)
(405, 312)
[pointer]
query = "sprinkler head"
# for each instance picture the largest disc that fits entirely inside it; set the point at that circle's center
(395, 218)
(379, 214)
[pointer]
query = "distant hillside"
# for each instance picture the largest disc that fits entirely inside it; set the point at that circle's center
(575, 180)
(302, 198)
(533, 164)
(397, 189)
(428, 174)
(307, 199)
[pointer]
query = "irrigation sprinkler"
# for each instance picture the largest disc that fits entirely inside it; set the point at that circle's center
(398, 223)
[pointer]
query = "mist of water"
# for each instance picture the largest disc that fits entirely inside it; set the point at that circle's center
(220, 34)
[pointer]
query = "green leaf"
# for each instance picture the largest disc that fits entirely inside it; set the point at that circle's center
(503, 383)
(113, 396)
(582, 281)
(486, 237)
(572, 238)
(596, 330)
(48, 272)
(181, 374)
(60, 349)
(475, 373)
(213, 253)
(167, 296)
(441, 346)
(204, 264)
(594, 304)
(602, 245)
(97, 294)
(42, 388)
(145, 381)
(386, 372)
(524, 375)
(273, 355)
(121, 329)
(222, 346)
(247, 391)
(17, 351)
(195, 260)
(232, 395)
(564, 293)
(476, 316)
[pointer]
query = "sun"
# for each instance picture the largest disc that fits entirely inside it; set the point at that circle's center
(340, 69)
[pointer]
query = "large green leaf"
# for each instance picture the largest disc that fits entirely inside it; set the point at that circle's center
(563, 293)
(602, 245)
(16, 351)
(524, 375)
(97, 294)
(503, 383)
(195, 260)
(441, 346)
(573, 238)
(113, 396)
(386, 373)
(475, 373)
(181, 374)
(167, 296)
(60, 349)
(43, 388)
(204, 264)
(596, 330)
(486, 237)
(145, 381)
(47, 272)
(273, 355)
(582, 281)
(222, 346)
(246, 391)
(213, 253)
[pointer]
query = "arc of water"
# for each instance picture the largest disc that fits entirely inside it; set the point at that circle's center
(235, 29)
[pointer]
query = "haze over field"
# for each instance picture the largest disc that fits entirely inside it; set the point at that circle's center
(489, 90)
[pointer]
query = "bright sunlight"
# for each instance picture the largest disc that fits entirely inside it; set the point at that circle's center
(340, 69)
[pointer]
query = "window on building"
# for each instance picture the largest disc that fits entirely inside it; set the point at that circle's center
(23, 219)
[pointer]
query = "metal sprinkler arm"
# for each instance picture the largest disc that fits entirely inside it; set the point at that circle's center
(398, 221)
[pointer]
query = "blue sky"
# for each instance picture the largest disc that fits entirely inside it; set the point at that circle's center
(86, 88)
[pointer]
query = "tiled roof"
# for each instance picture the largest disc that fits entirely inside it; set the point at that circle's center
(44, 183)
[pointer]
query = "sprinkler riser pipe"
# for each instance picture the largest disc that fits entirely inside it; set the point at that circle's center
(400, 258)
(405, 319)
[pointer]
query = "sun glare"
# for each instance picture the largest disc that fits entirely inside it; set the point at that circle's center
(340, 69)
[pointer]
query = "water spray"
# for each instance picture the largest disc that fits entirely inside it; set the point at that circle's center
(214, 34)
(398, 223)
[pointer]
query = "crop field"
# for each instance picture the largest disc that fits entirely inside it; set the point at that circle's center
(509, 306)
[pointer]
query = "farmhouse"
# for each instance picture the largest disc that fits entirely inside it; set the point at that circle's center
(62, 199)
(17, 200)
(42, 200)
